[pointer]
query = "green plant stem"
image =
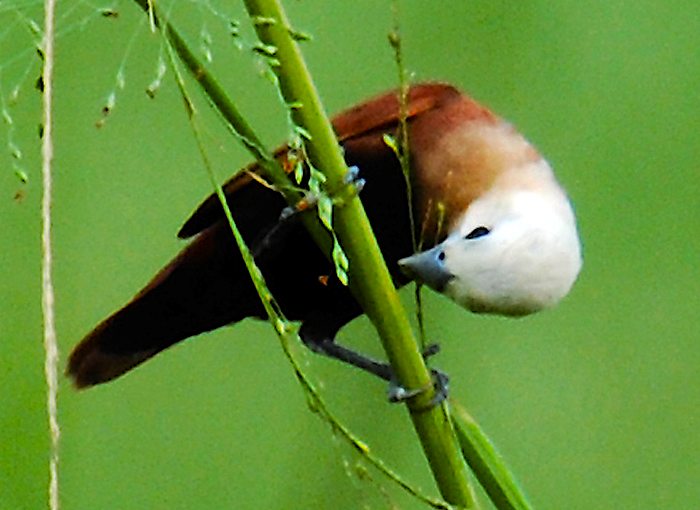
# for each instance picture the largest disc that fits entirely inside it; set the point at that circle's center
(223, 104)
(285, 331)
(403, 151)
(369, 277)
(487, 464)
(234, 120)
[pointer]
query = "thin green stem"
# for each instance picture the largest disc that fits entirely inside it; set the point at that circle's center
(403, 151)
(369, 277)
(221, 102)
(234, 119)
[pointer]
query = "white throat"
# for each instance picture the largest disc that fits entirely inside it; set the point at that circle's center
(531, 255)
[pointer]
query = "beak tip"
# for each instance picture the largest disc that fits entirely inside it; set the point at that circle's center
(407, 266)
(427, 267)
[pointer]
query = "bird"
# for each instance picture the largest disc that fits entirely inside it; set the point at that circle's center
(486, 224)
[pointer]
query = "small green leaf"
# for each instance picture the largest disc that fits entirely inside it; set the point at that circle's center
(109, 104)
(341, 262)
(364, 449)
(394, 39)
(270, 75)
(318, 176)
(298, 171)
(154, 86)
(325, 211)
(299, 36)
(109, 12)
(302, 132)
(390, 141)
(21, 175)
(263, 21)
(121, 78)
(266, 50)
(34, 27)
(15, 151)
(14, 96)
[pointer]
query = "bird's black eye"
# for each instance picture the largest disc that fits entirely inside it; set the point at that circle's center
(477, 232)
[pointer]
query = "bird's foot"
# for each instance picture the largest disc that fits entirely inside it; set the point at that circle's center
(310, 200)
(352, 186)
(396, 393)
(440, 384)
(277, 232)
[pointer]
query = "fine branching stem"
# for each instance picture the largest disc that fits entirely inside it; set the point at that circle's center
(403, 152)
(233, 119)
(216, 95)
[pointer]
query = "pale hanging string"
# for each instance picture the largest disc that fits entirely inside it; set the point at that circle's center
(50, 342)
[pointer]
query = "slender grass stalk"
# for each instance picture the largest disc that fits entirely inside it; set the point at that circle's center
(477, 449)
(403, 152)
(47, 293)
(369, 278)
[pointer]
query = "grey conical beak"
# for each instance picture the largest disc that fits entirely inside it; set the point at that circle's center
(427, 267)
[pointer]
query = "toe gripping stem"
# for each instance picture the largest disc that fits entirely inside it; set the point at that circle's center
(276, 233)
(395, 393)
(440, 384)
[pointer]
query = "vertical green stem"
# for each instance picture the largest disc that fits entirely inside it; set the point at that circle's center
(369, 277)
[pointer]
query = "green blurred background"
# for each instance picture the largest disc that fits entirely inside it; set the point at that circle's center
(594, 404)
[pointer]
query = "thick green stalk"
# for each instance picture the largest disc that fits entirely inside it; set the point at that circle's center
(368, 274)
(486, 463)
(286, 333)
(369, 277)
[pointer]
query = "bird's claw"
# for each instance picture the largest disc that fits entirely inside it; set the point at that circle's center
(430, 350)
(353, 185)
(352, 180)
(352, 177)
(288, 212)
(440, 385)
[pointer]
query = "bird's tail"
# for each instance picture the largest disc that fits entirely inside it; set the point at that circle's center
(203, 288)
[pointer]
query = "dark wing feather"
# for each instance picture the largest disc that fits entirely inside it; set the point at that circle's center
(366, 122)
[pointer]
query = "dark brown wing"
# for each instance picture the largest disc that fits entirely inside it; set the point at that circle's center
(364, 124)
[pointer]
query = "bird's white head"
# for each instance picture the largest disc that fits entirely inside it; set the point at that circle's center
(515, 250)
